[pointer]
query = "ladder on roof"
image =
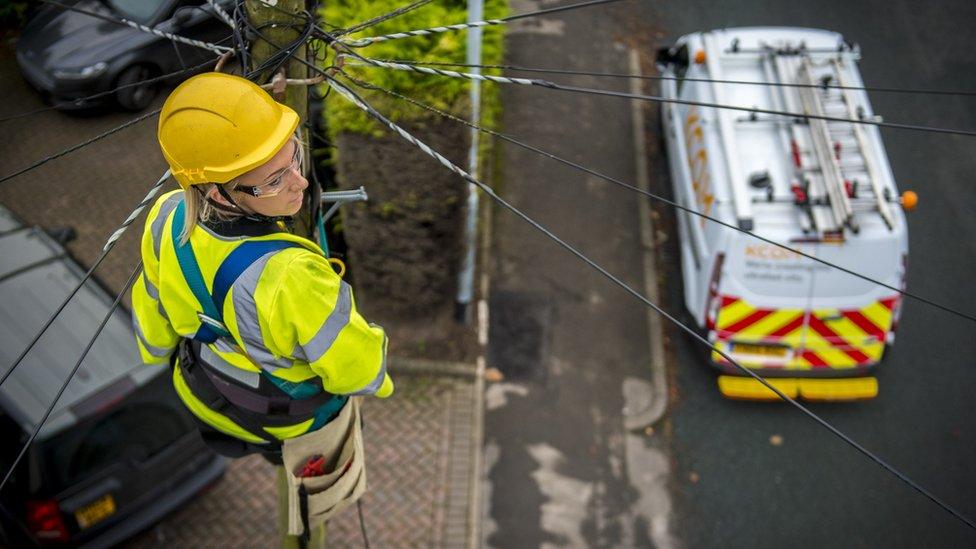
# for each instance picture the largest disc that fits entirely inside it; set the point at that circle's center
(832, 160)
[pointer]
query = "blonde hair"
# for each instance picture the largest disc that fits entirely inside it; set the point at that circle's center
(200, 210)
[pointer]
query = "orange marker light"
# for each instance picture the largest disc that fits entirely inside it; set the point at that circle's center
(909, 200)
(700, 57)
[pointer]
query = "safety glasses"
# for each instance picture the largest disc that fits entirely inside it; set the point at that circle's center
(274, 185)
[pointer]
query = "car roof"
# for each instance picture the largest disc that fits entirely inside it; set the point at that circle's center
(36, 274)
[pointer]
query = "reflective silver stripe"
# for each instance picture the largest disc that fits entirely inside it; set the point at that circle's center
(215, 361)
(161, 310)
(157, 352)
(153, 292)
(377, 381)
(160, 221)
(151, 289)
(336, 321)
(225, 347)
(246, 311)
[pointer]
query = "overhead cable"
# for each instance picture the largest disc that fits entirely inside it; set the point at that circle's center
(224, 16)
(356, 100)
(140, 27)
(83, 100)
(74, 370)
(81, 145)
(653, 98)
(363, 42)
(658, 198)
(518, 68)
(381, 18)
(109, 244)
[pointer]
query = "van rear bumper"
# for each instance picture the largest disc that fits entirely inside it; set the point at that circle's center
(821, 390)
(781, 372)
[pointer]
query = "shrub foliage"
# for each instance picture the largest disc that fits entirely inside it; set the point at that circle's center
(445, 93)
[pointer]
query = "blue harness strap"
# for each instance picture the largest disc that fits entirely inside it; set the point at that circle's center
(212, 319)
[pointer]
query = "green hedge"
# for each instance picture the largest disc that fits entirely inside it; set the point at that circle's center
(445, 93)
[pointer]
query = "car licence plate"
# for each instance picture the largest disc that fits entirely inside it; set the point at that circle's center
(762, 350)
(96, 511)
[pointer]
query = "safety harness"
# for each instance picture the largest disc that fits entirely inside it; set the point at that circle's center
(274, 402)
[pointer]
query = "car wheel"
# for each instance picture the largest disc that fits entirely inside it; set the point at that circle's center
(135, 96)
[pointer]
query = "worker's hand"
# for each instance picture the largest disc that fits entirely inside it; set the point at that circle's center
(386, 389)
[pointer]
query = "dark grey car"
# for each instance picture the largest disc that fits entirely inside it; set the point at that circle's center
(68, 55)
(120, 450)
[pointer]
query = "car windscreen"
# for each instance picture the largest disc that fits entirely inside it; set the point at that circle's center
(140, 11)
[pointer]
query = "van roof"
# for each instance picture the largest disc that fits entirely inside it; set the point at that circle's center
(36, 274)
(758, 144)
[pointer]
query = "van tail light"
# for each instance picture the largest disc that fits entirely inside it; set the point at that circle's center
(896, 305)
(714, 301)
(45, 522)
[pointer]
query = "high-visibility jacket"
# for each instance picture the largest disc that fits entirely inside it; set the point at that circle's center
(289, 314)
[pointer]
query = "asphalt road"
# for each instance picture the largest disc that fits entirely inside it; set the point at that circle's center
(561, 469)
(734, 488)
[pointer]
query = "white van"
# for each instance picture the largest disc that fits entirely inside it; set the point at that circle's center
(824, 188)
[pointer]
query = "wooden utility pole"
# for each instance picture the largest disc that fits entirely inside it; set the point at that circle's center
(281, 23)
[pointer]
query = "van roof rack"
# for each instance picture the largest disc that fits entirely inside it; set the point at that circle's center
(835, 165)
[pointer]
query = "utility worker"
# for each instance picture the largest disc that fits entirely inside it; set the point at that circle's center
(267, 341)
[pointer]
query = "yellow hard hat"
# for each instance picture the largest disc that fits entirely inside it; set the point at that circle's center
(215, 127)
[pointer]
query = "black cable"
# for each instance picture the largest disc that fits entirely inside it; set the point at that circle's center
(656, 197)
(139, 26)
(362, 522)
(54, 316)
(82, 100)
(568, 247)
(74, 148)
(74, 370)
(920, 91)
(243, 52)
(384, 17)
(359, 502)
(279, 58)
(753, 110)
(655, 98)
(460, 26)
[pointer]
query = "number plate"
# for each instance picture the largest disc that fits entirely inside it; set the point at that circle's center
(96, 511)
(762, 350)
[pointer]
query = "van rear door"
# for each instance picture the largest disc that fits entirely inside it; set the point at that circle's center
(780, 310)
(765, 293)
(849, 318)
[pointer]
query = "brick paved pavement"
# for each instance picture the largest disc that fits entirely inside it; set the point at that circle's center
(418, 449)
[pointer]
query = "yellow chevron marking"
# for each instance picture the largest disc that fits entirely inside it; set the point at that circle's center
(798, 363)
(834, 357)
(771, 323)
(878, 314)
(732, 313)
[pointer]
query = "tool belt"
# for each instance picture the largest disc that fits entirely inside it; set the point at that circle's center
(313, 500)
(253, 409)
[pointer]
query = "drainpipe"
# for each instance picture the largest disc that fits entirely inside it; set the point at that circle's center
(466, 276)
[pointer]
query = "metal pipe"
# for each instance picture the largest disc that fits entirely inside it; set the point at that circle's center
(466, 276)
